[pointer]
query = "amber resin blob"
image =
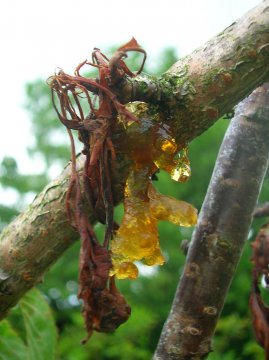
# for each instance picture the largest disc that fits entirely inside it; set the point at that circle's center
(151, 146)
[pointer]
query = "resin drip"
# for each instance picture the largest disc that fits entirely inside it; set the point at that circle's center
(151, 146)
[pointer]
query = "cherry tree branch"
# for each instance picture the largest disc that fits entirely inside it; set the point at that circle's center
(33, 241)
(203, 86)
(222, 229)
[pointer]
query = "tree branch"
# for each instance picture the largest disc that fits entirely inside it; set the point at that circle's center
(33, 241)
(222, 229)
(192, 95)
(205, 85)
(261, 210)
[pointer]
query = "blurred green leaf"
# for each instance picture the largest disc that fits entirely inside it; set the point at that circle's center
(10, 177)
(12, 346)
(41, 334)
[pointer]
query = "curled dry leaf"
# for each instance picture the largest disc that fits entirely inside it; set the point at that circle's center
(149, 144)
(104, 308)
(259, 310)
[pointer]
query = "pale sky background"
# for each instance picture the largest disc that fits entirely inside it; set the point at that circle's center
(39, 36)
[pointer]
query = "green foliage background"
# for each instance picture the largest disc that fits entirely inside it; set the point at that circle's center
(152, 293)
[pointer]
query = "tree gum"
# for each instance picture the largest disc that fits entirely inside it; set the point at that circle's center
(151, 146)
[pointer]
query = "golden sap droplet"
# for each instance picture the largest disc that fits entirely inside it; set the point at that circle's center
(181, 173)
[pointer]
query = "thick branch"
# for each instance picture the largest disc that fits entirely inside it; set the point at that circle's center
(205, 85)
(33, 241)
(222, 228)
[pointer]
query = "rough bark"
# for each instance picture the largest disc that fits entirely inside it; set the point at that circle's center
(222, 229)
(192, 94)
(208, 83)
(262, 210)
(29, 245)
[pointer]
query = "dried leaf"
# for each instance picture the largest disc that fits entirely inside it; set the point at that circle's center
(132, 44)
(259, 310)
(104, 308)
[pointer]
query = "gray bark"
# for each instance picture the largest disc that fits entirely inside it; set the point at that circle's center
(222, 229)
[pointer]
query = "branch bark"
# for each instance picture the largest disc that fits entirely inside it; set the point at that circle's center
(33, 241)
(208, 83)
(222, 229)
(192, 95)
(261, 210)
